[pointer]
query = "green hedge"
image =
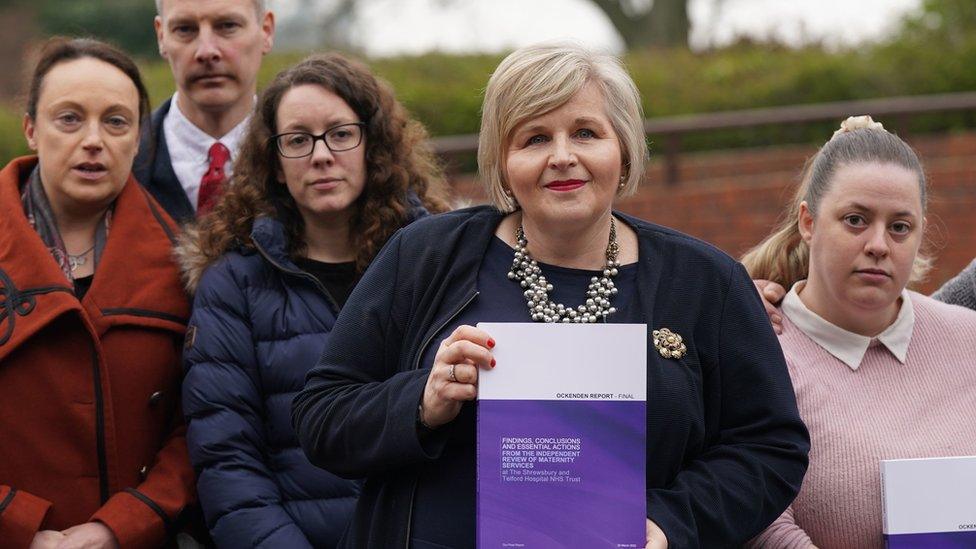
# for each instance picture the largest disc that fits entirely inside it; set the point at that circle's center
(445, 91)
(12, 143)
(441, 90)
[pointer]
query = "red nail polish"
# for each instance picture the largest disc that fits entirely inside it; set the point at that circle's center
(491, 343)
(492, 363)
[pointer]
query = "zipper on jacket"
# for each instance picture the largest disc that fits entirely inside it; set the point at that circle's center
(302, 274)
(413, 496)
(416, 366)
(420, 353)
(100, 428)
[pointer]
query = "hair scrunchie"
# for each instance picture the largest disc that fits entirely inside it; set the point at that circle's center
(858, 123)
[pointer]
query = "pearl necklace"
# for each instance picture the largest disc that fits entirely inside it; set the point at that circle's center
(601, 290)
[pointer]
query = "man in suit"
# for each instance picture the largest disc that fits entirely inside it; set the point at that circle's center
(214, 48)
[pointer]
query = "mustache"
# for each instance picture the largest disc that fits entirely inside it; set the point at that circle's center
(200, 75)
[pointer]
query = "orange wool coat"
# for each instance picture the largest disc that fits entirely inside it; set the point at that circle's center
(90, 422)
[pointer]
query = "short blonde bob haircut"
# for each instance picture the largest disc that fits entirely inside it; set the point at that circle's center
(537, 79)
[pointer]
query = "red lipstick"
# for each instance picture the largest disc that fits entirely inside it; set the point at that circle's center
(565, 185)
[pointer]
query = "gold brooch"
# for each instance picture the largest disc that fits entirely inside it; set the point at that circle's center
(668, 343)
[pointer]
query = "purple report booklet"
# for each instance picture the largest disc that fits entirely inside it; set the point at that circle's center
(929, 503)
(561, 437)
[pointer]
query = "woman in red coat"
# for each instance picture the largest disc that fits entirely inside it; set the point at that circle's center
(92, 316)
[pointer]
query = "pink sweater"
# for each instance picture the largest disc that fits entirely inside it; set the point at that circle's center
(884, 410)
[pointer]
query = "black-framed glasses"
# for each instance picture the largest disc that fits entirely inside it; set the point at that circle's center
(339, 138)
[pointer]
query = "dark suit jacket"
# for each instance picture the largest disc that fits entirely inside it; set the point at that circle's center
(154, 170)
(726, 449)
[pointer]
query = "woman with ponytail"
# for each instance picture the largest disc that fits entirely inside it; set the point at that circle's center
(880, 372)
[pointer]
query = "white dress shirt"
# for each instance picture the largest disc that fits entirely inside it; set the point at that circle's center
(849, 347)
(189, 148)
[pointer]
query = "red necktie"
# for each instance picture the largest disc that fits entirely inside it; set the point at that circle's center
(212, 184)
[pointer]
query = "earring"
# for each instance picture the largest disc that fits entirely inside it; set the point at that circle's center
(623, 182)
(510, 196)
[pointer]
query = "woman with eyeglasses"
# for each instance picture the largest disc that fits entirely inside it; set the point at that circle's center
(330, 168)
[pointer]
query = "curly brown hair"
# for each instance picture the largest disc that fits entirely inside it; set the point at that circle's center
(399, 163)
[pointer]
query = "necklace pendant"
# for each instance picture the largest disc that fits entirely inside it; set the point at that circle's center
(76, 261)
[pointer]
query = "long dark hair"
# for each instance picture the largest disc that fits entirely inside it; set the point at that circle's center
(398, 162)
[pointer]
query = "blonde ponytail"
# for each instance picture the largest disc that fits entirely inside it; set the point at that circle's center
(783, 256)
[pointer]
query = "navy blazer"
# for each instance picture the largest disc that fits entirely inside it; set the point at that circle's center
(726, 449)
(154, 169)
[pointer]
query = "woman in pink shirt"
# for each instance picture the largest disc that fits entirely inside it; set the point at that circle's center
(880, 372)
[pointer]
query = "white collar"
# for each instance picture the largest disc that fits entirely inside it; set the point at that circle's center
(196, 143)
(847, 346)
